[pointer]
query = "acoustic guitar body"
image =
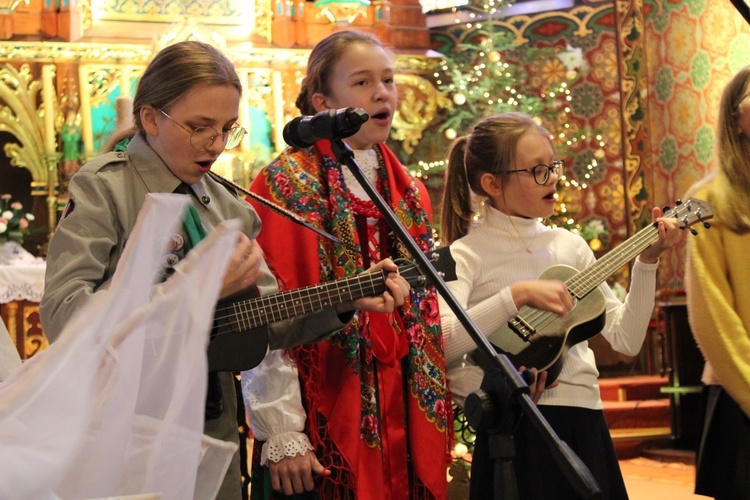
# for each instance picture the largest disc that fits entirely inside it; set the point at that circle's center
(231, 348)
(554, 335)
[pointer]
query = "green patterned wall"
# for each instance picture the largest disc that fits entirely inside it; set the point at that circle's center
(693, 47)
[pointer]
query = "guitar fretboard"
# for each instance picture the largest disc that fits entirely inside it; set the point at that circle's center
(585, 281)
(268, 309)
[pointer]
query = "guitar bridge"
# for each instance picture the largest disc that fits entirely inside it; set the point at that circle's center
(521, 328)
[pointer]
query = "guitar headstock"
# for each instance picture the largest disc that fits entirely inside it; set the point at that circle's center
(690, 212)
(441, 260)
(411, 273)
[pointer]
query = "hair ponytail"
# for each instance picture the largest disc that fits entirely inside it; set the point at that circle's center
(489, 148)
(456, 210)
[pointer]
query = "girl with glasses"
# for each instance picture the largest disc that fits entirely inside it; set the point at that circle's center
(185, 113)
(509, 161)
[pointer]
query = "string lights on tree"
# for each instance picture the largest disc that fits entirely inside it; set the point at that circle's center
(487, 72)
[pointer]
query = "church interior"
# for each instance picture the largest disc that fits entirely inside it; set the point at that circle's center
(629, 89)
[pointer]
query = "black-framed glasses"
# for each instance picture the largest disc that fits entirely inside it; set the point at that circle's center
(542, 172)
(201, 138)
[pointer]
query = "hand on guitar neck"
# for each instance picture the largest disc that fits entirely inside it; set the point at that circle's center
(563, 306)
(669, 236)
(239, 337)
(388, 301)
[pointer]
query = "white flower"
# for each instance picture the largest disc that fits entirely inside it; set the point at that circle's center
(3, 227)
(460, 450)
(29, 217)
(7, 214)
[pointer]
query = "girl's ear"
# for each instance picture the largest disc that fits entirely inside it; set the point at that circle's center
(319, 102)
(491, 184)
(148, 120)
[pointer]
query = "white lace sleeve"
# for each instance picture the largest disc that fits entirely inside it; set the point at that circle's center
(289, 444)
(272, 398)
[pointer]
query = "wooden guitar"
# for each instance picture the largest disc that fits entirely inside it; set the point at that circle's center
(540, 339)
(239, 337)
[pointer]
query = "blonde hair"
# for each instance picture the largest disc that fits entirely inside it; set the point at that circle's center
(489, 148)
(734, 156)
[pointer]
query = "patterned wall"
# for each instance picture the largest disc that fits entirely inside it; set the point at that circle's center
(693, 47)
(656, 72)
(595, 105)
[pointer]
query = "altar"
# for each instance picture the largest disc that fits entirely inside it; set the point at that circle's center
(21, 288)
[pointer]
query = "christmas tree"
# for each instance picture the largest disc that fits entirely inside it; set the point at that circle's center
(485, 72)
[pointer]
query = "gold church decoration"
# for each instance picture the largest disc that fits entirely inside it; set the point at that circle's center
(20, 117)
(419, 103)
(31, 127)
(271, 78)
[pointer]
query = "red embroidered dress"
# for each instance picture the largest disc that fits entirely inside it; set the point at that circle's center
(378, 408)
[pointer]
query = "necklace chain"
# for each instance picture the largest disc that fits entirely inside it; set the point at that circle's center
(518, 235)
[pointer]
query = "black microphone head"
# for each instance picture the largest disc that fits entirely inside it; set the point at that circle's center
(291, 135)
(304, 131)
(349, 121)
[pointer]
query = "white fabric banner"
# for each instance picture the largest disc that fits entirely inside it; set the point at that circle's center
(115, 406)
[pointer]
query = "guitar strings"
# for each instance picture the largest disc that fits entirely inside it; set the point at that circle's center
(312, 296)
(585, 281)
(578, 285)
(253, 313)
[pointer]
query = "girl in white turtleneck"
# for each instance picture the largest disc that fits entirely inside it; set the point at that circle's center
(510, 160)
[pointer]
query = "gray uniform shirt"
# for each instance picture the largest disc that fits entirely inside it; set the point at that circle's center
(106, 195)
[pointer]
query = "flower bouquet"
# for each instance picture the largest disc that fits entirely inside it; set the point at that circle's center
(14, 222)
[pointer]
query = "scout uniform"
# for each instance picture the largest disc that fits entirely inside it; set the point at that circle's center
(106, 196)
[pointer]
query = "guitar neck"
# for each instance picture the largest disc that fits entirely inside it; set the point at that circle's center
(593, 276)
(260, 311)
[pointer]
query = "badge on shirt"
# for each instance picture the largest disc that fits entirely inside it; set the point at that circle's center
(176, 242)
(170, 260)
(69, 207)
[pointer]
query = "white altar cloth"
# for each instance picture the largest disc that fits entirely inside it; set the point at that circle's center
(21, 274)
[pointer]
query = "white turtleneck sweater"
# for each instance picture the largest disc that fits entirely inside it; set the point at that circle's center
(498, 252)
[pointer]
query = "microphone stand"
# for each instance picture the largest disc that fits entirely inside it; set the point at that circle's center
(504, 392)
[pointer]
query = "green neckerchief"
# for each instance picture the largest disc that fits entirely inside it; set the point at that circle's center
(193, 227)
(122, 146)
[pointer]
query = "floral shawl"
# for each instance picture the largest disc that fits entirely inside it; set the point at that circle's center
(361, 386)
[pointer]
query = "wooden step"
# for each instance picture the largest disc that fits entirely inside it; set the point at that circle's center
(632, 443)
(633, 388)
(638, 414)
(670, 455)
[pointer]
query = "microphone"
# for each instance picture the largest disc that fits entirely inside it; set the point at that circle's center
(304, 131)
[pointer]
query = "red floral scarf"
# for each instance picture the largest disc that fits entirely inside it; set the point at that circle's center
(365, 382)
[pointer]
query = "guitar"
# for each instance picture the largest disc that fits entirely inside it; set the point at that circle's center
(540, 339)
(239, 337)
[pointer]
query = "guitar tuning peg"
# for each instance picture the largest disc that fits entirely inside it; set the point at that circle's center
(678, 202)
(434, 256)
(666, 208)
(693, 232)
(707, 225)
(441, 274)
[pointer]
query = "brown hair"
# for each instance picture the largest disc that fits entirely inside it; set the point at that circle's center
(323, 57)
(176, 70)
(489, 148)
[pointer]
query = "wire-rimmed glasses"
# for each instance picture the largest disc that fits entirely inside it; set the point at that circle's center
(542, 172)
(201, 138)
